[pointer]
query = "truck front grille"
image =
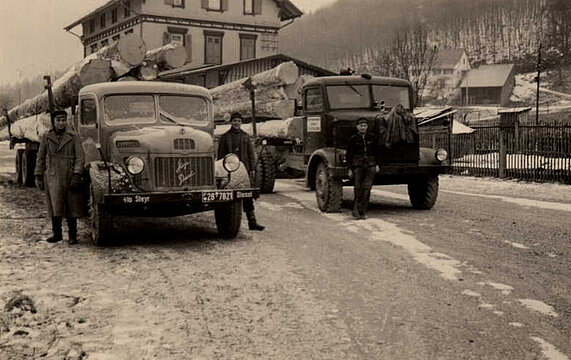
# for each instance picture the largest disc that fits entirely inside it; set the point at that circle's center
(183, 172)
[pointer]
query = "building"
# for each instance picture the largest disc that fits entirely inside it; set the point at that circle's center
(213, 31)
(488, 85)
(448, 69)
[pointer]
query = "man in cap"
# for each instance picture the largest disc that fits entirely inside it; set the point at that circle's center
(237, 141)
(59, 170)
(363, 165)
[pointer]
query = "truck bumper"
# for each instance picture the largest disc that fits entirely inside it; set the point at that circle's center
(173, 203)
(394, 174)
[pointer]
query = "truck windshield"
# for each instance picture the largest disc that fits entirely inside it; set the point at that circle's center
(129, 109)
(348, 96)
(391, 95)
(183, 110)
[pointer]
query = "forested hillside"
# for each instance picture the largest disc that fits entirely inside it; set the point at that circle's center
(491, 31)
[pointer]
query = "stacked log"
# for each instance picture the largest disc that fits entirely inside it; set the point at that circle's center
(290, 128)
(167, 57)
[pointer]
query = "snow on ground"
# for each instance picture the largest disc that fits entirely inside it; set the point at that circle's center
(514, 161)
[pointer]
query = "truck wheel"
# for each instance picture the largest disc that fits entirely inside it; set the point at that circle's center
(423, 192)
(329, 191)
(228, 219)
(101, 222)
(28, 166)
(265, 173)
(18, 164)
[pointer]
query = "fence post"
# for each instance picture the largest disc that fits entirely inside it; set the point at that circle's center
(503, 154)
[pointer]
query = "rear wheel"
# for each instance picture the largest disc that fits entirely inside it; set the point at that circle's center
(328, 190)
(265, 173)
(18, 165)
(423, 192)
(101, 222)
(228, 219)
(28, 163)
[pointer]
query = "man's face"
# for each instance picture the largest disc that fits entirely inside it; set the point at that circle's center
(60, 122)
(236, 123)
(362, 127)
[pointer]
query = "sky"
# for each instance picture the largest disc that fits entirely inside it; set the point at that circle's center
(33, 42)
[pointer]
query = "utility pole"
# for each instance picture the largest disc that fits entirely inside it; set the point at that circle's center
(538, 79)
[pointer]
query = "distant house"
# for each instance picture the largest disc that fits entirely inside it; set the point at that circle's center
(488, 85)
(447, 72)
(212, 31)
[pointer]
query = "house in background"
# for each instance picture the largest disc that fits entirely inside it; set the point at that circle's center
(213, 31)
(488, 85)
(448, 69)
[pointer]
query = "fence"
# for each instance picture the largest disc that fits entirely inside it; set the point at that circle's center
(536, 153)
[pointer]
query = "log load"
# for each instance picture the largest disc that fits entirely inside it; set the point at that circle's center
(108, 63)
(167, 57)
(290, 128)
(274, 109)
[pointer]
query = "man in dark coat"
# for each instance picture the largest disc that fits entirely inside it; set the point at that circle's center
(59, 171)
(237, 141)
(362, 163)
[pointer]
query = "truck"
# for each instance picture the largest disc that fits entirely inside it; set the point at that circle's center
(149, 151)
(327, 115)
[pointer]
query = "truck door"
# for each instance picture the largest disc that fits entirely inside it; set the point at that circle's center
(313, 127)
(87, 127)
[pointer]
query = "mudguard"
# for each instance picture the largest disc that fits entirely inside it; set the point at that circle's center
(99, 178)
(428, 157)
(239, 179)
(324, 154)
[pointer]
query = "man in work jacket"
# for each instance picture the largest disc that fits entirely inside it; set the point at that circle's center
(237, 141)
(59, 171)
(362, 163)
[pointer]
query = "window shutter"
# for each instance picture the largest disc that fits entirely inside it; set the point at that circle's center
(169, 2)
(224, 5)
(204, 4)
(166, 38)
(188, 46)
(257, 7)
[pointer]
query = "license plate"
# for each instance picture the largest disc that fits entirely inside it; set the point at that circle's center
(217, 196)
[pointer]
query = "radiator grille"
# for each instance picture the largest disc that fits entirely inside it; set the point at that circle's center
(183, 172)
(183, 144)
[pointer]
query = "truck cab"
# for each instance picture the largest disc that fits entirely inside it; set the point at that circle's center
(149, 151)
(331, 106)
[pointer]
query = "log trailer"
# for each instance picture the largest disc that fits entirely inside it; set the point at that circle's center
(330, 107)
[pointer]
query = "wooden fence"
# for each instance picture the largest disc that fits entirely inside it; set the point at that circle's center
(528, 152)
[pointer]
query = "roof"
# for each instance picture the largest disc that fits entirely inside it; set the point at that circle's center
(143, 87)
(194, 69)
(447, 58)
(356, 80)
(518, 110)
(288, 11)
(488, 76)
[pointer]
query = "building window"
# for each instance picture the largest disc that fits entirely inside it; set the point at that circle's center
(213, 47)
(104, 43)
(269, 42)
(127, 8)
(177, 39)
(214, 5)
(116, 37)
(448, 71)
(130, 31)
(114, 16)
(91, 26)
(247, 46)
(252, 7)
(102, 21)
(178, 3)
(93, 48)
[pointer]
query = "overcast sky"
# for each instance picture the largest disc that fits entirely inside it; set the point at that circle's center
(33, 42)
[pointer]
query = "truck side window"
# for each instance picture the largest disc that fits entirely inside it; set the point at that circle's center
(88, 112)
(313, 100)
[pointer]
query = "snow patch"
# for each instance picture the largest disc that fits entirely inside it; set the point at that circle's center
(519, 201)
(516, 245)
(549, 351)
(470, 293)
(515, 324)
(487, 306)
(538, 306)
(504, 289)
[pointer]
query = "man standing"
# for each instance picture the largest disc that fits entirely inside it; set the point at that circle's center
(59, 171)
(237, 141)
(362, 163)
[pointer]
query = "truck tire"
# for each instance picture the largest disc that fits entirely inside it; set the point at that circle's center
(423, 191)
(101, 222)
(228, 219)
(265, 173)
(18, 165)
(28, 166)
(329, 191)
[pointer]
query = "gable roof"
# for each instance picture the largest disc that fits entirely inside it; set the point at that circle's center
(288, 11)
(447, 58)
(488, 76)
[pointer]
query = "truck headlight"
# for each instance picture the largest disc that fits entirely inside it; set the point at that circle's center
(441, 155)
(231, 162)
(135, 165)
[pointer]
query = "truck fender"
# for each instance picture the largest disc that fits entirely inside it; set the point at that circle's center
(428, 157)
(98, 180)
(238, 179)
(326, 155)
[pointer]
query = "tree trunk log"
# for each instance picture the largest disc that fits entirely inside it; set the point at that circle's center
(276, 109)
(170, 56)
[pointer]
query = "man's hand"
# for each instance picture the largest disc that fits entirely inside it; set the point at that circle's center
(377, 169)
(350, 173)
(76, 182)
(39, 181)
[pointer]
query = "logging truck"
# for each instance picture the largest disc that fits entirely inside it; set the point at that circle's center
(318, 136)
(149, 151)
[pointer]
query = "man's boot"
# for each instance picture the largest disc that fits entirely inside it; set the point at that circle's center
(72, 230)
(56, 229)
(252, 223)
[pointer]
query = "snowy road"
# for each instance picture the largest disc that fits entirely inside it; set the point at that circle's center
(484, 275)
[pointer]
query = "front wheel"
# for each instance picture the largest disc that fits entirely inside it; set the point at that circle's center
(423, 192)
(228, 219)
(18, 164)
(101, 222)
(265, 173)
(28, 164)
(328, 190)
